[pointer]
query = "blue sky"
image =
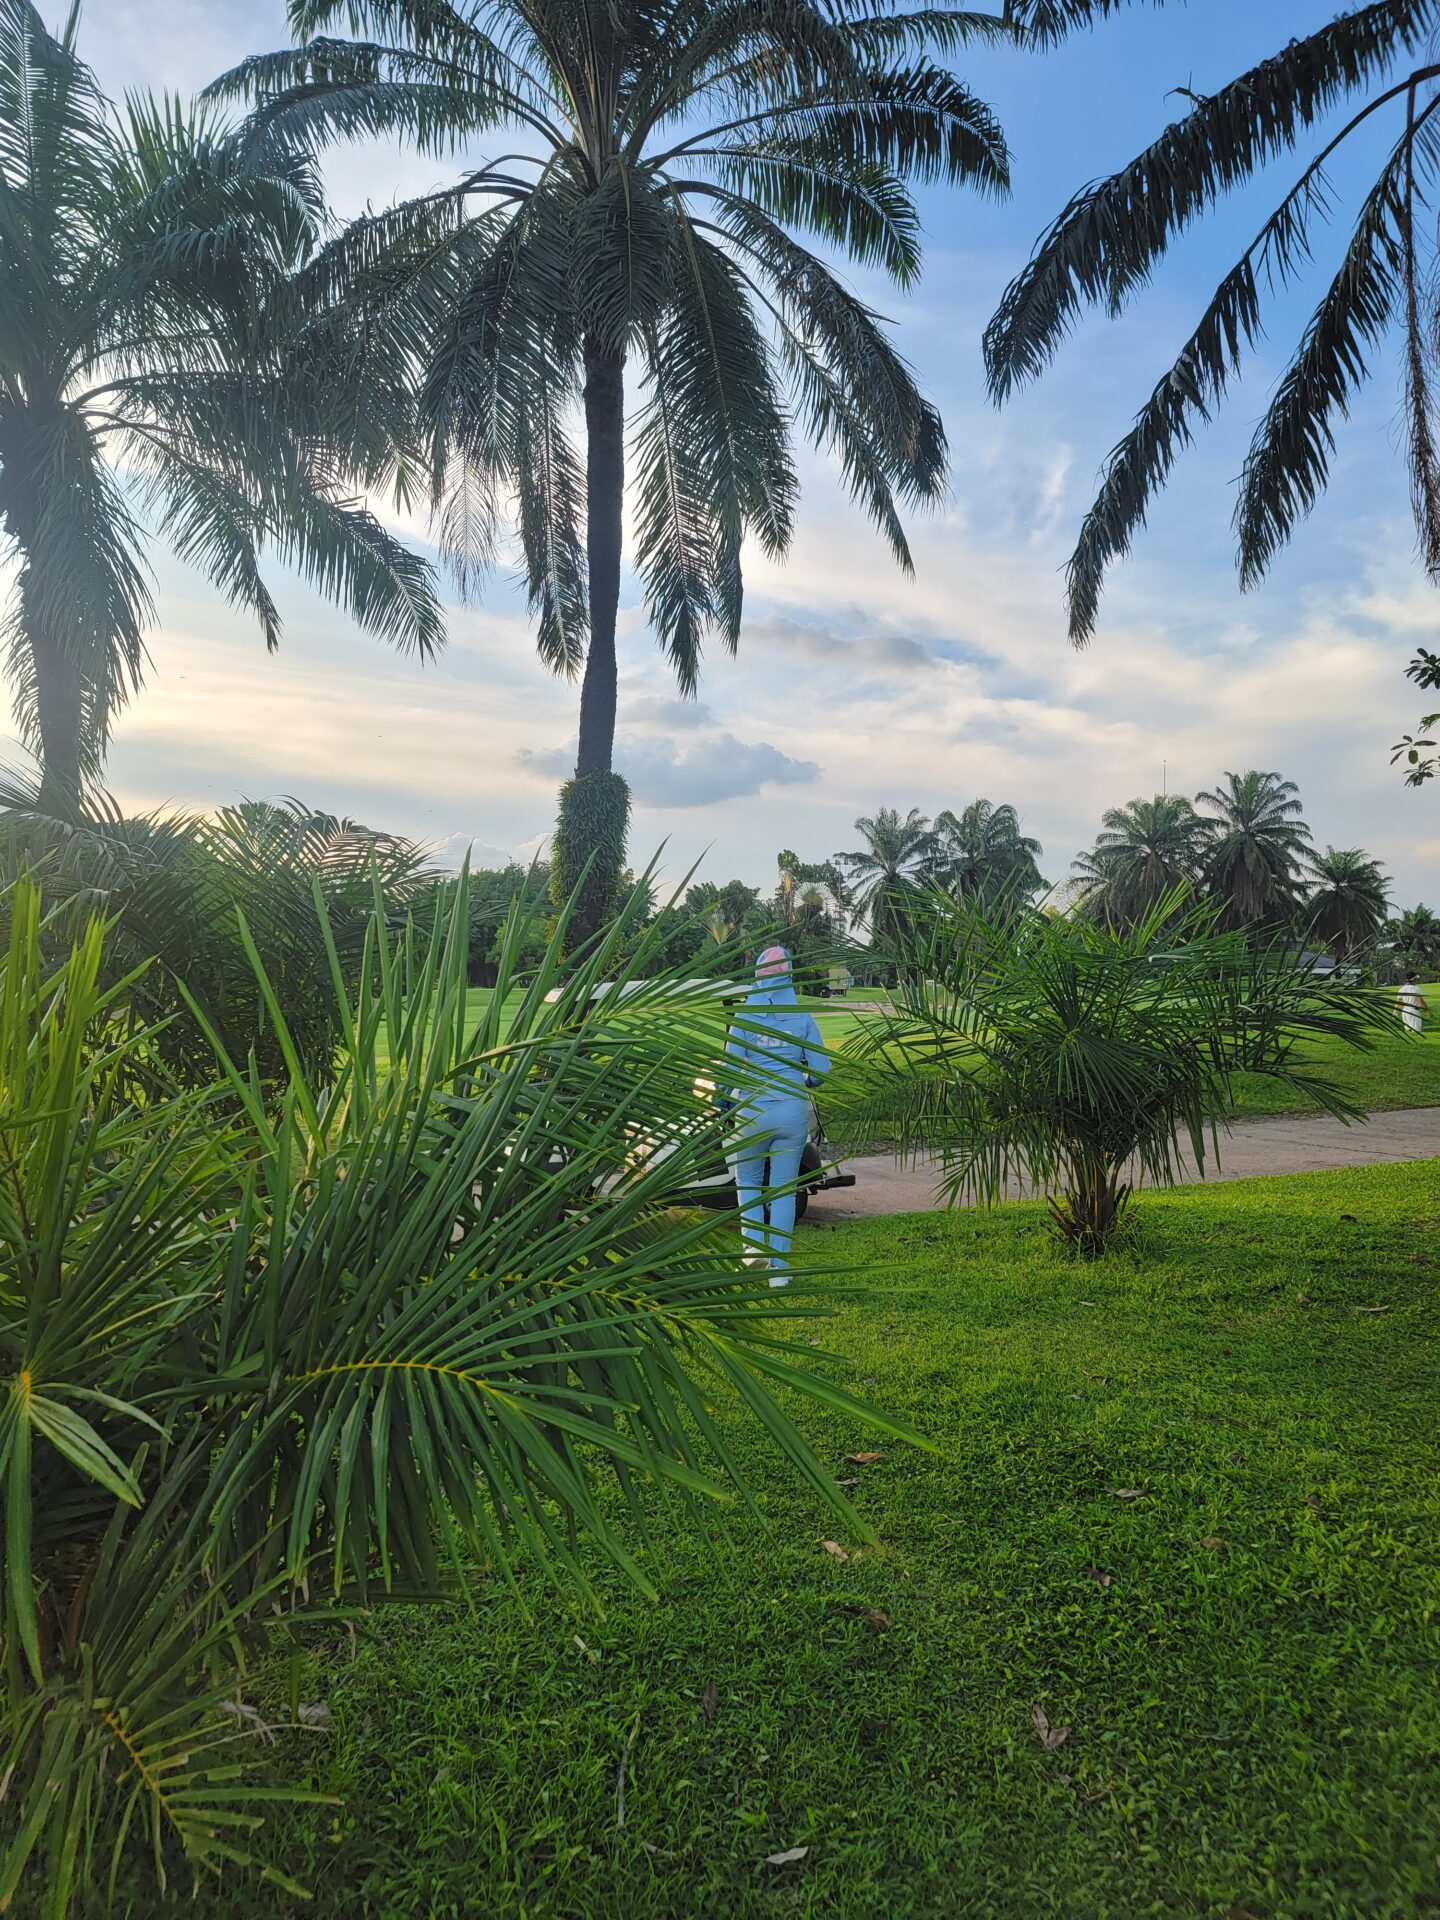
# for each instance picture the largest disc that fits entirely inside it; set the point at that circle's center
(855, 688)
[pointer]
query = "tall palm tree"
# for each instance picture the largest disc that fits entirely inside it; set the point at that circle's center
(1256, 844)
(1369, 70)
(1144, 851)
(981, 854)
(883, 874)
(158, 378)
(1346, 903)
(629, 256)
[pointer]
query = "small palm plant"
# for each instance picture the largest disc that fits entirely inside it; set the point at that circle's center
(265, 1366)
(1081, 1060)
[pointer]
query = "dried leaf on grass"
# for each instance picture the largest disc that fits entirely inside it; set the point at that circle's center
(1050, 1737)
(834, 1549)
(872, 1616)
(787, 1858)
(864, 1459)
(710, 1702)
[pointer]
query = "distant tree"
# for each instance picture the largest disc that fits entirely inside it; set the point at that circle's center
(981, 854)
(883, 874)
(1144, 851)
(1256, 846)
(1345, 906)
(1414, 939)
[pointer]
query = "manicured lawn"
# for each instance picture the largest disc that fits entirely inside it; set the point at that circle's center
(1245, 1649)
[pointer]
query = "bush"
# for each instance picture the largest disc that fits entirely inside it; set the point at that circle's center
(587, 856)
(267, 1365)
(1081, 1059)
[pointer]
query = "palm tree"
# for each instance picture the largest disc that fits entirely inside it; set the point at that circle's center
(1373, 64)
(1145, 850)
(1415, 937)
(148, 330)
(981, 854)
(1347, 901)
(1255, 844)
(634, 240)
(894, 860)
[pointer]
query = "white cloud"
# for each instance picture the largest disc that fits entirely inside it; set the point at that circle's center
(697, 773)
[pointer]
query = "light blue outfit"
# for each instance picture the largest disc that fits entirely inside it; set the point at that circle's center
(783, 1043)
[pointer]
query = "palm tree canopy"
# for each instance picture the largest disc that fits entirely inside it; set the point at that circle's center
(981, 852)
(883, 873)
(148, 329)
(1144, 851)
(1347, 900)
(654, 164)
(1368, 64)
(1256, 843)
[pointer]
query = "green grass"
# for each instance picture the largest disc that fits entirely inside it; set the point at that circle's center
(1250, 1690)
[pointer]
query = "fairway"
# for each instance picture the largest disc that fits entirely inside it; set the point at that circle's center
(1152, 1632)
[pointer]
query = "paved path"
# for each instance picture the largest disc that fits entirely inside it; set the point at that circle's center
(1303, 1143)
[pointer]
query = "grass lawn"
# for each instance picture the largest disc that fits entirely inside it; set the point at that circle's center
(1243, 1651)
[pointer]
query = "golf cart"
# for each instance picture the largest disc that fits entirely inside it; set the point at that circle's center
(715, 1187)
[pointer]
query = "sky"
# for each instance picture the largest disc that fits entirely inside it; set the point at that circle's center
(855, 688)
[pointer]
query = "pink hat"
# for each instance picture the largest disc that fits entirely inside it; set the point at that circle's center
(772, 961)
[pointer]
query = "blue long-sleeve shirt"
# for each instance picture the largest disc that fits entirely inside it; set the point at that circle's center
(779, 1042)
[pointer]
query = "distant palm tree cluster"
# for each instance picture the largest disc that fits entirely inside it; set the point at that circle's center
(1244, 846)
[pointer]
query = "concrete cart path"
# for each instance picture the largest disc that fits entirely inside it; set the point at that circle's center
(1303, 1143)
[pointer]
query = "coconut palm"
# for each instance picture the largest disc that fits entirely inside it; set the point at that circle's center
(1256, 845)
(1346, 902)
(981, 854)
(630, 255)
(158, 381)
(884, 873)
(1365, 73)
(1144, 851)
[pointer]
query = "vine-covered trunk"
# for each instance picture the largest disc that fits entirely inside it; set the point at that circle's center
(604, 498)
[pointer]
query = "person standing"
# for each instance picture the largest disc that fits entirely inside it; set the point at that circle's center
(779, 1046)
(1411, 1001)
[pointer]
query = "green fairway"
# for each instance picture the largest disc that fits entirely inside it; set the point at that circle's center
(1184, 1513)
(1398, 1073)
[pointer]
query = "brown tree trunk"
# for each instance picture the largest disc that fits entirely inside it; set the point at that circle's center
(59, 712)
(604, 497)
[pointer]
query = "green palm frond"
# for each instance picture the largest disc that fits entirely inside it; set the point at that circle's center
(1105, 244)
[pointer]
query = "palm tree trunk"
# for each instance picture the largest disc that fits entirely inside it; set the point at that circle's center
(59, 715)
(604, 495)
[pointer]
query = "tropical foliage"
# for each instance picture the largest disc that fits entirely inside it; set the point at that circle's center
(1416, 751)
(267, 1365)
(1255, 844)
(638, 227)
(882, 875)
(1372, 64)
(1414, 938)
(152, 326)
(204, 896)
(1346, 902)
(981, 854)
(1144, 852)
(1081, 1060)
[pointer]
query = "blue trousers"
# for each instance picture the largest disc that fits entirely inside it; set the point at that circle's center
(775, 1131)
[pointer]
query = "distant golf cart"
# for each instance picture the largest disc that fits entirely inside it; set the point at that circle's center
(716, 1187)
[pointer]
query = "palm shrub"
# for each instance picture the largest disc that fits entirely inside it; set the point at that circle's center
(267, 1365)
(1346, 904)
(163, 376)
(1083, 1059)
(190, 899)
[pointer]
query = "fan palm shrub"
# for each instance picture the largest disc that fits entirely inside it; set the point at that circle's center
(267, 1365)
(633, 254)
(1364, 73)
(162, 378)
(1082, 1059)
